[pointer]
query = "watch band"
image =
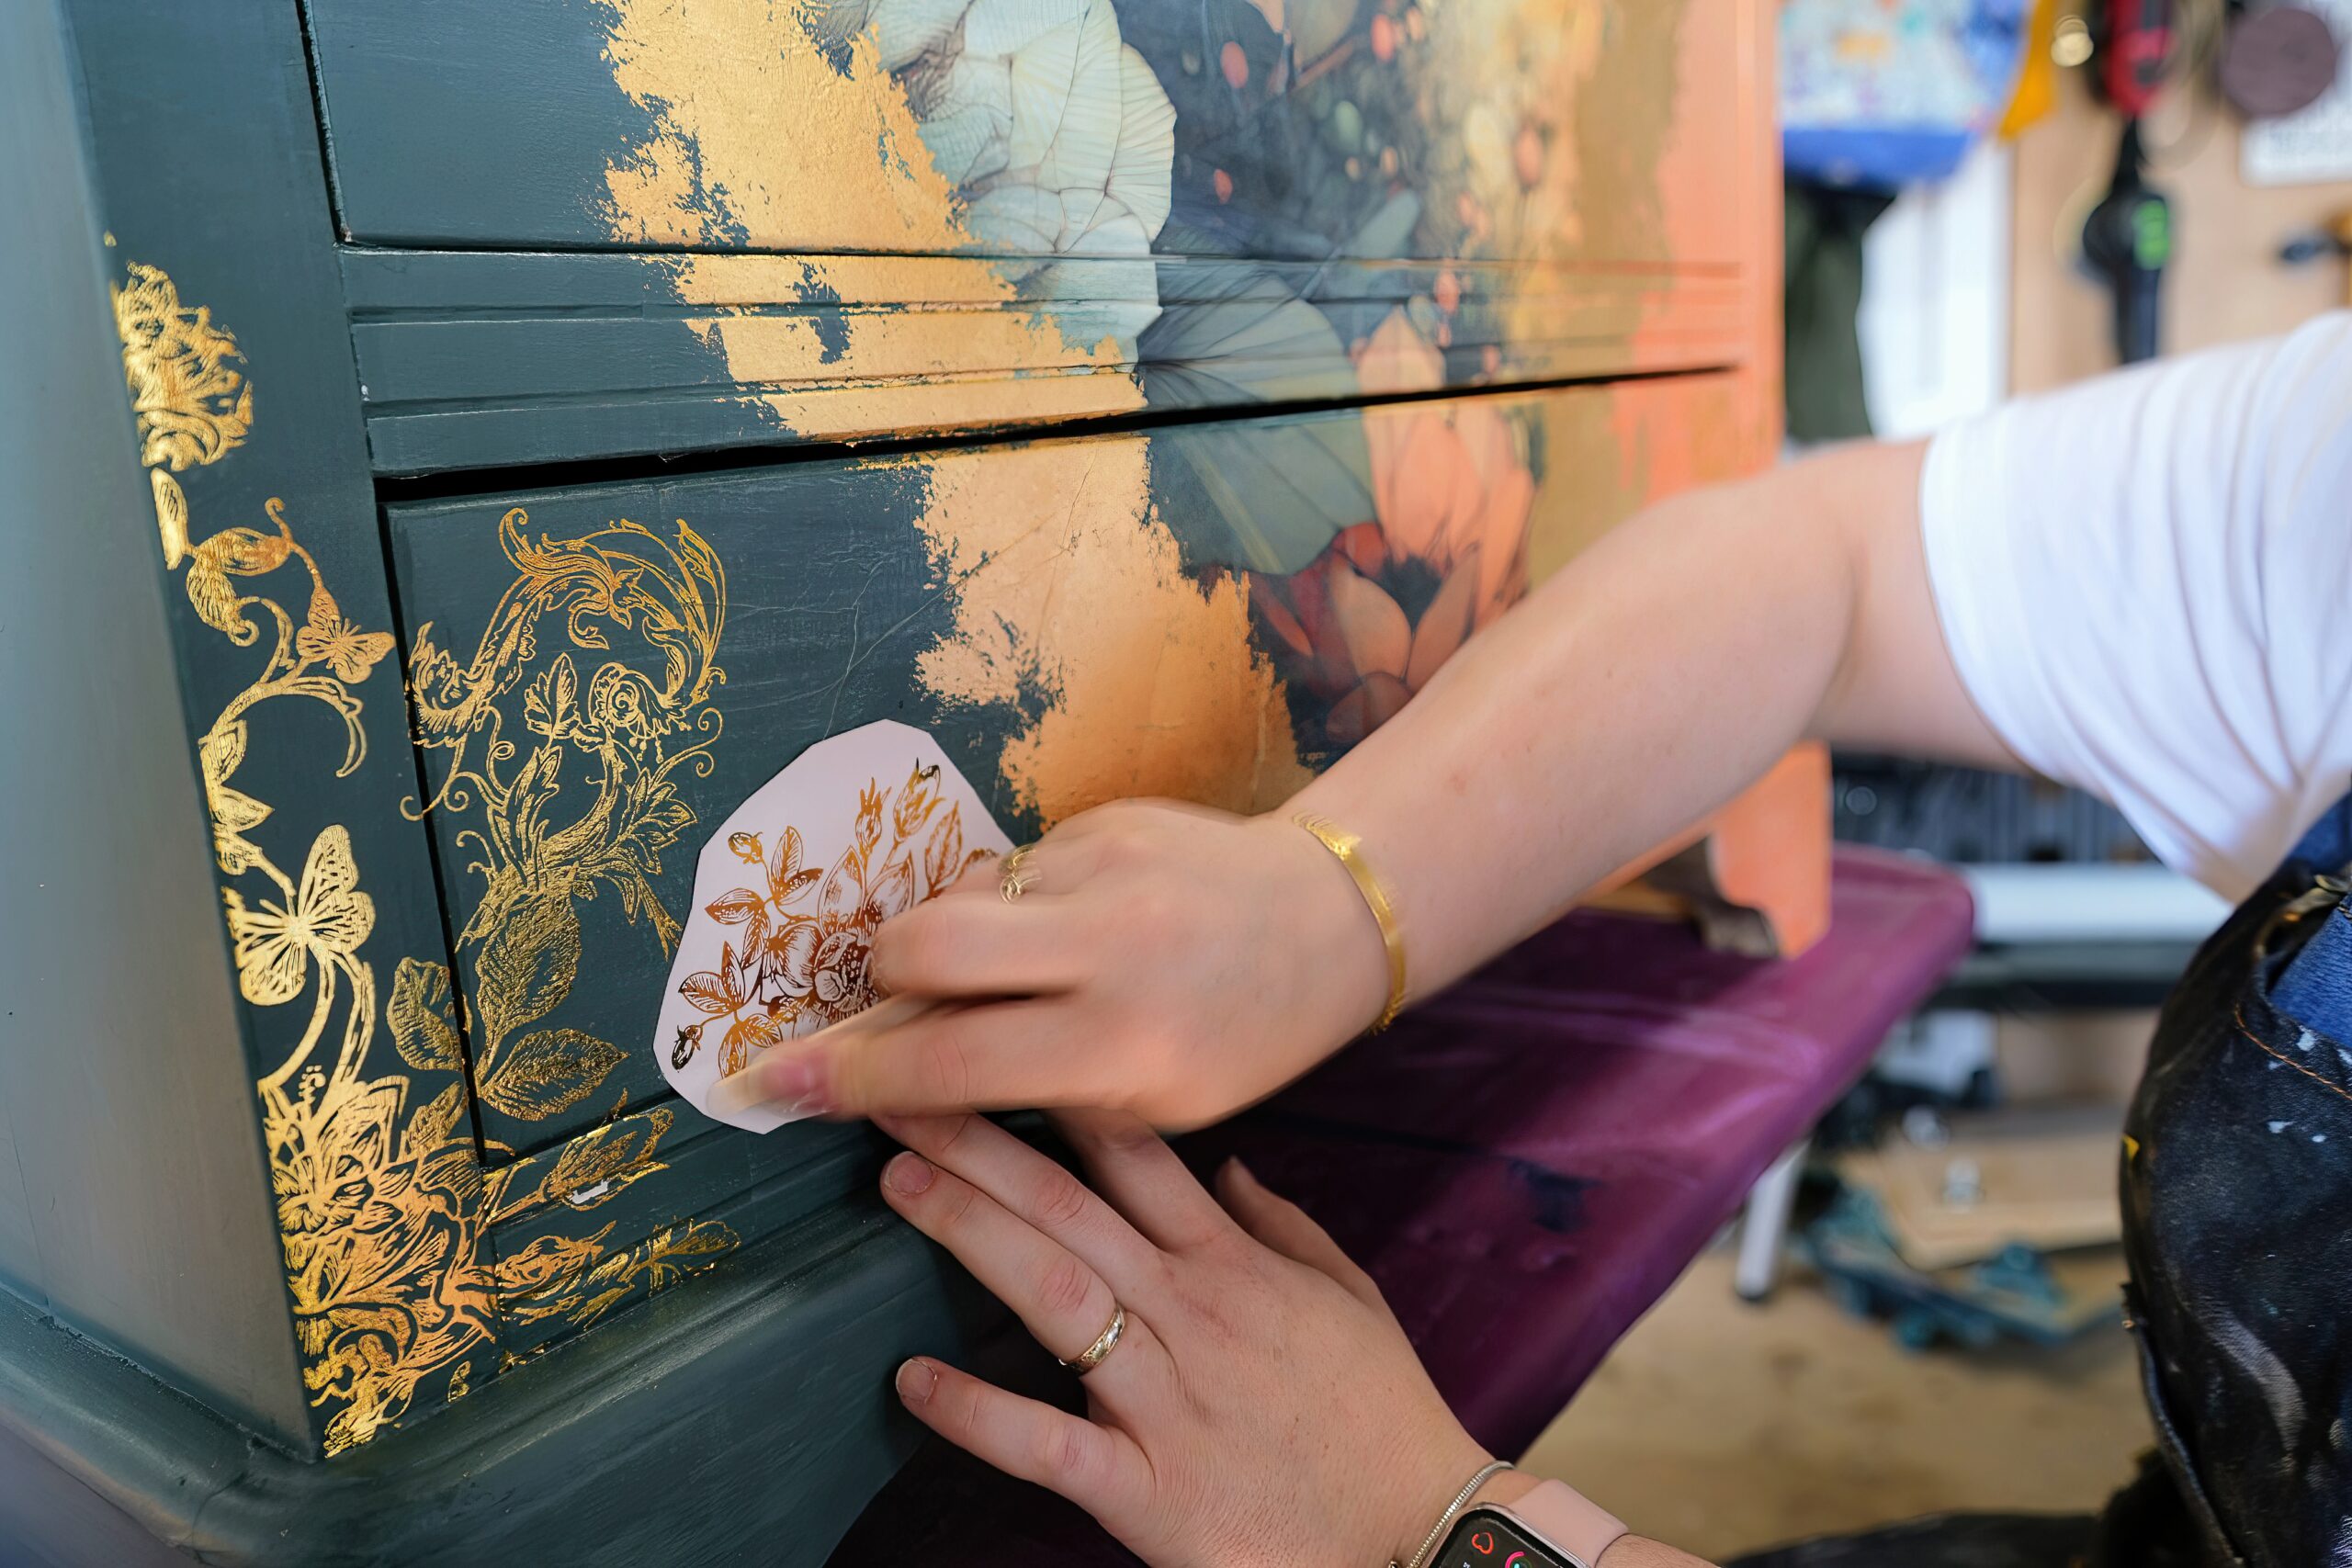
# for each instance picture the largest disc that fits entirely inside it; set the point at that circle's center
(1566, 1518)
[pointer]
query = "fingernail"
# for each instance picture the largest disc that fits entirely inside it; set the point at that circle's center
(1241, 1172)
(916, 1380)
(908, 1176)
(736, 1094)
(749, 1091)
(798, 1080)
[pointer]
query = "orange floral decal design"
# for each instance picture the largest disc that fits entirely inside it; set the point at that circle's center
(1365, 626)
(794, 964)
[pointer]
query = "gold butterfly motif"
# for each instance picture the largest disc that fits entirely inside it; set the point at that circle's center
(328, 919)
(331, 640)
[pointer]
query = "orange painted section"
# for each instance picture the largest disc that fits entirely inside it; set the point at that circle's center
(1704, 196)
(1768, 850)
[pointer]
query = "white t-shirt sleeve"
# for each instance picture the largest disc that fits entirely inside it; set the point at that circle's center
(2145, 581)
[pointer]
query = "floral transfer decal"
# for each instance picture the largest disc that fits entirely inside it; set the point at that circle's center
(1052, 130)
(1268, 142)
(382, 1203)
(1226, 204)
(188, 393)
(810, 964)
(591, 1281)
(777, 947)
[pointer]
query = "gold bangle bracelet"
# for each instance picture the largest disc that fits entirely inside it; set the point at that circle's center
(1348, 849)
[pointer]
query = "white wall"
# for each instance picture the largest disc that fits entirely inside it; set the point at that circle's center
(1935, 318)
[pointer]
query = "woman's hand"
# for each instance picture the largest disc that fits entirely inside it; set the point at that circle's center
(1262, 1406)
(1167, 960)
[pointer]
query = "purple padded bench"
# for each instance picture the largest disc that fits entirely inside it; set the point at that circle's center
(1526, 1163)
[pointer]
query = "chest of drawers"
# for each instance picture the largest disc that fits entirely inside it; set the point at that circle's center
(454, 454)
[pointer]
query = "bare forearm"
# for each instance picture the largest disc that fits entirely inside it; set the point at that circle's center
(1641, 688)
(1199, 962)
(1632, 694)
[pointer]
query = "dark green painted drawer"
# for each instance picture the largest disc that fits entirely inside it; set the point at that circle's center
(470, 359)
(602, 673)
(1513, 129)
(642, 225)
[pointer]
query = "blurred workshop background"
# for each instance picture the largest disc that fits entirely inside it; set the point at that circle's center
(1920, 1311)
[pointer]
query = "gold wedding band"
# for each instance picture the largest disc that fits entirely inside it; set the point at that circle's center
(1094, 1354)
(1017, 876)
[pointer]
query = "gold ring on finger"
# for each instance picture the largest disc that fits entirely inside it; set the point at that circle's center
(1094, 1354)
(1017, 877)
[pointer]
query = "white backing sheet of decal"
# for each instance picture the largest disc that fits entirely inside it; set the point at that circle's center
(788, 893)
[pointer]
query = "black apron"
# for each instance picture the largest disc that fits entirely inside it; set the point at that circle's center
(2237, 1222)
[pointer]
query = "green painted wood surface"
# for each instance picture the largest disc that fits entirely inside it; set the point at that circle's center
(743, 1418)
(134, 1200)
(826, 594)
(676, 228)
(473, 359)
(56, 1519)
(540, 124)
(203, 150)
(281, 1177)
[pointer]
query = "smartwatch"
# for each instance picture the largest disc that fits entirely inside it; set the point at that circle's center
(1552, 1527)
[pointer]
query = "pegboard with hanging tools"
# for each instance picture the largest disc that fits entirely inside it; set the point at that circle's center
(2268, 63)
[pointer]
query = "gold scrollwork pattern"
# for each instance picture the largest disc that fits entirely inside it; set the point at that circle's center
(187, 391)
(587, 800)
(382, 1207)
(579, 1280)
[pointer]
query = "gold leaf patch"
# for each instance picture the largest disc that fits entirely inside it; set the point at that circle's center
(171, 516)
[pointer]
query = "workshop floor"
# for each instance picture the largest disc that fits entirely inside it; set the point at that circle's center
(1721, 1427)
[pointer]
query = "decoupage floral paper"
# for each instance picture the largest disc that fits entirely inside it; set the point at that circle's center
(790, 890)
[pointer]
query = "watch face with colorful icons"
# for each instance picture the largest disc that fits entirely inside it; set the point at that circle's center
(1485, 1538)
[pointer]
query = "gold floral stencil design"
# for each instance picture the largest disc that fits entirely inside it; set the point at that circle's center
(382, 1208)
(590, 1281)
(593, 803)
(190, 399)
(792, 964)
